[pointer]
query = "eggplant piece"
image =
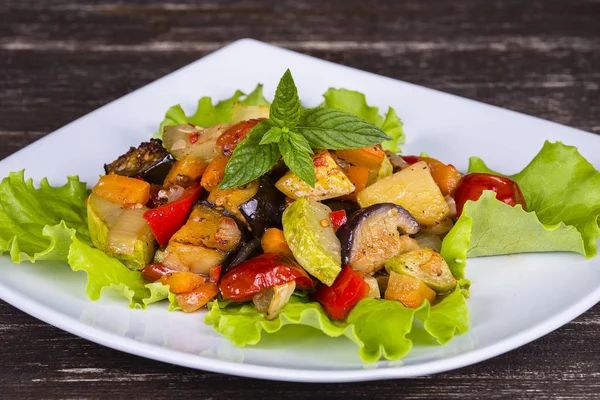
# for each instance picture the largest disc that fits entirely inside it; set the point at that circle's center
(149, 161)
(231, 199)
(265, 209)
(205, 241)
(347, 205)
(425, 264)
(372, 236)
(244, 252)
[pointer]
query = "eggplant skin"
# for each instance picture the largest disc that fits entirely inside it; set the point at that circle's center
(149, 161)
(359, 242)
(265, 209)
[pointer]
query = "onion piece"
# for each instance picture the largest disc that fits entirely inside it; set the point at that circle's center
(105, 209)
(374, 291)
(429, 241)
(128, 228)
(452, 205)
(273, 299)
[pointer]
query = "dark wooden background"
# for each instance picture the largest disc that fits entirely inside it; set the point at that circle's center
(62, 59)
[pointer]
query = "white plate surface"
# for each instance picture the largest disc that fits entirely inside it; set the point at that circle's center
(512, 300)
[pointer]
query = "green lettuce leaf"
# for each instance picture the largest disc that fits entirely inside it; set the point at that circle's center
(207, 114)
(356, 103)
(378, 327)
(50, 223)
(562, 190)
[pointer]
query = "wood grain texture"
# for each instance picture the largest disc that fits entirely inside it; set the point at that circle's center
(62, 59)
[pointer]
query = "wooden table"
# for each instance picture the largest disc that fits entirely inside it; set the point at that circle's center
(62, 59)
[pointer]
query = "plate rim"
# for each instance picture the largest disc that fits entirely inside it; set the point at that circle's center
(114, 341)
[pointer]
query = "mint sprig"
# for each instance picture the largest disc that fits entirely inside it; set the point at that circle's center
(292, 132)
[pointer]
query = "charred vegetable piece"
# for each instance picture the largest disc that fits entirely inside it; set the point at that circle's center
(273, 241)
(133, 239)
(244, 252)
(373, 235)
(197, 298)
(149, 161)
(122, 190)
(265, 209)
(447, 177)
(412, 188)
(340, 298)
(205, 241)
(245, 280)
(270, 301)
(397, 161)
(231, 199)
(185, 172)
(186, 139)
(309, 233)
(408, 290)
(425, 264)
(165, 220)
(232, 136)
(330, 181)
(155, 271)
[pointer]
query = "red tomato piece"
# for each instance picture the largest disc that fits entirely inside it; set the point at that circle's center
(214, 275)
(472, 186)
(243, 281)
(340, 298)
(411, 159)
(338, 218)
(232, 136)
(165, 220)
(154, 272)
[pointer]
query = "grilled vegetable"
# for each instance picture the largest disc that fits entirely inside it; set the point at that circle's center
(412, 188)
(205, 241)
(182, 281)
(368, 157)
(197, 298)
(330, 181)
(165, 220)
(374, 291)
(447, 177)
(149, 161)
(373, 235)
(265, 209)
(245, 280)
(309, 233)
(214, 172)
(231, 199)
(273, 241)
(340, 298)
(244, 252)
(186, 139)
(270, 301)
(132, 243)
(185, 172)
(232, 136)
(408, 290)
(122, 190)
(425, 264)
(359, 176)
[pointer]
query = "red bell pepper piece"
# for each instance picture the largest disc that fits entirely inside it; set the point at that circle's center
(340, 298)
(165, 220)
(338, 218)
(243, 281)
(154, 272)
(214, 275)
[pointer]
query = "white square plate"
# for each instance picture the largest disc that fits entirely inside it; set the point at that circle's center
(512, 299)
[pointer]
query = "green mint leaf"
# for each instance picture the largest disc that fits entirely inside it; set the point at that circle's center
(299, 142)
(285, 110)
(273, 135)
(328, 128)
(297, 158)
(250, 159)
(256, 98)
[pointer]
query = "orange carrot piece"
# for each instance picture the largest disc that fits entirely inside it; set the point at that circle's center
(197, 298)
(369, 157)
(273, 241)
(189, 166)
(122, 189)
(214, 173)
(182, 281)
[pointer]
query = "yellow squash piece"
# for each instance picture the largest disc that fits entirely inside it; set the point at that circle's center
(412, 188)
(330, 181)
